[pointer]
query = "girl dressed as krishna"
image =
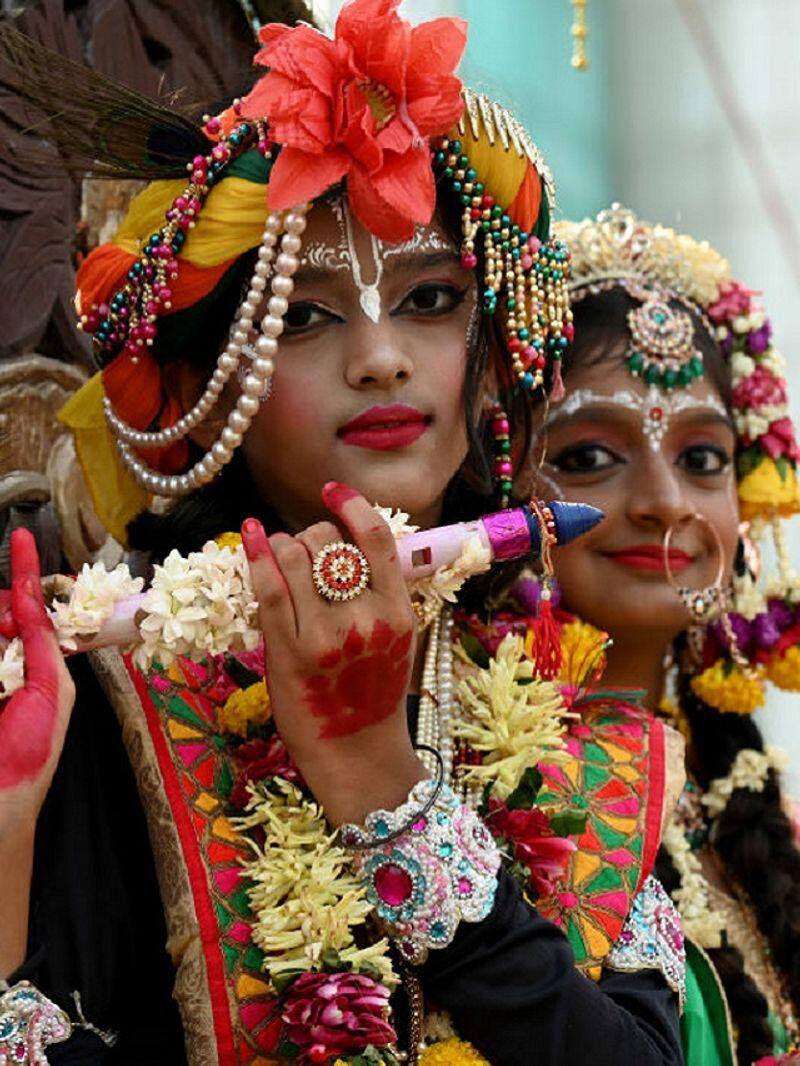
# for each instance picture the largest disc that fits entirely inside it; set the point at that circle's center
(320, 814)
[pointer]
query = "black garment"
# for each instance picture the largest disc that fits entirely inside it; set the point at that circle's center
(512, 990)
(97, 926)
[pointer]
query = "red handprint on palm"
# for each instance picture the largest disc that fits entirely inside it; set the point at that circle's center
(361, 683)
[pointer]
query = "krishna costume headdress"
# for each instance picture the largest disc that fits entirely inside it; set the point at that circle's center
(660, 268)
(377, 107)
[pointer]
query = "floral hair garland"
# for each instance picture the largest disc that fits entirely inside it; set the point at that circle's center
(617, 248)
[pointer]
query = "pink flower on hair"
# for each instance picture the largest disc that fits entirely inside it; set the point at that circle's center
(335, 1015)
(759, 389)
(780, 440)
(733, 300)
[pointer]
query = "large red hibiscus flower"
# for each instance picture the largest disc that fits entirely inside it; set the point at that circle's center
(361, 106)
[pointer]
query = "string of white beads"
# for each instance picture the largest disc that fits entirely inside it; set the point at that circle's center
(256, 382)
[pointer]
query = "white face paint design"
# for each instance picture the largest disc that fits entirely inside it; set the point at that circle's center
(655, 407)
(344, 256)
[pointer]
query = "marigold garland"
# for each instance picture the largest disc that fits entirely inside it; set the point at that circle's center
(783, 670)
(730, 688)
(452, 1053)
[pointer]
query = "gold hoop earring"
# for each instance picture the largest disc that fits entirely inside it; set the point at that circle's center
(710, 602)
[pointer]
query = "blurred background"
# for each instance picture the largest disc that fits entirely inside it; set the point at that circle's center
(688, 114)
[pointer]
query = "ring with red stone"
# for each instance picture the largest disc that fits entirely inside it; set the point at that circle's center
(340, 571)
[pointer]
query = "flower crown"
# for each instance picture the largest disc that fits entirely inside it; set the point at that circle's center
(378, 107)
(618, 249)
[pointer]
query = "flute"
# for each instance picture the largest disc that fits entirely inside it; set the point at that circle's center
(106, 609)
(516, 533)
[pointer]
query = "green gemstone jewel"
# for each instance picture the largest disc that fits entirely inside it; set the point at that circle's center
(670, 379)
(651, 375)
(636, 363)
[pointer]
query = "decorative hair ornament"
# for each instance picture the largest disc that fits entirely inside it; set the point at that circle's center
(750, 770)
(662, 349)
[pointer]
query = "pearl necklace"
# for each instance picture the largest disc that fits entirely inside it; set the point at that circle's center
(437, 703)
(256, 383)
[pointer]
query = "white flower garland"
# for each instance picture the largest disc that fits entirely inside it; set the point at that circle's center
(701, 922)
(202, 604)
(750, 770)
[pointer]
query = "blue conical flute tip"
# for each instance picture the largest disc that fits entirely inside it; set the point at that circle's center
(574, 519)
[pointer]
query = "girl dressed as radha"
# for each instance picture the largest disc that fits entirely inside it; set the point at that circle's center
(348, 807)
(674, 421)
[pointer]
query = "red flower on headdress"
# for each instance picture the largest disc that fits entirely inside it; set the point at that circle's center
(360, 106)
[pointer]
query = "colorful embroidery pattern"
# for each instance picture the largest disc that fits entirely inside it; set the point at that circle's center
(614, 773)
(187, 698)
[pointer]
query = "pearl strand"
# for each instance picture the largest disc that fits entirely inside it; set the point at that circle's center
(256, 383)
(444, 693)
(227, 362)
(427, 730)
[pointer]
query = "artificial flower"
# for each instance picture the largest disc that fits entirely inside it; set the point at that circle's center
(733, 300)
(783, 669)
(332, 1014)
(510, 716)
(760, 389)
(307, 900)
(259, 760)
(452, 1052)
(767, 491)
(198, 605)
(243, 708)
(758, 339)
(780, 440)
(361, 106)
(730, 688)
(533, 842)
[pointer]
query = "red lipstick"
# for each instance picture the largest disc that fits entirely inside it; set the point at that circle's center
(650, 557)
(386, 428)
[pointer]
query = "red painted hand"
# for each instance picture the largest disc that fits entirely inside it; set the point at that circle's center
(338, 673)
(34, 721)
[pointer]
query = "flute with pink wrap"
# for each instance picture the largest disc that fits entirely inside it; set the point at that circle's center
(506, 535)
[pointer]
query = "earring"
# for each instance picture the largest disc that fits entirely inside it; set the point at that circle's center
(502, 470)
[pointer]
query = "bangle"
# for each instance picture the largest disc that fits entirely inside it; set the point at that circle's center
(29, 1023)
(353, 837)
(424, 873)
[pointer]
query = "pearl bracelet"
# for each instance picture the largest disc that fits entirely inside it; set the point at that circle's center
(441, 870)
